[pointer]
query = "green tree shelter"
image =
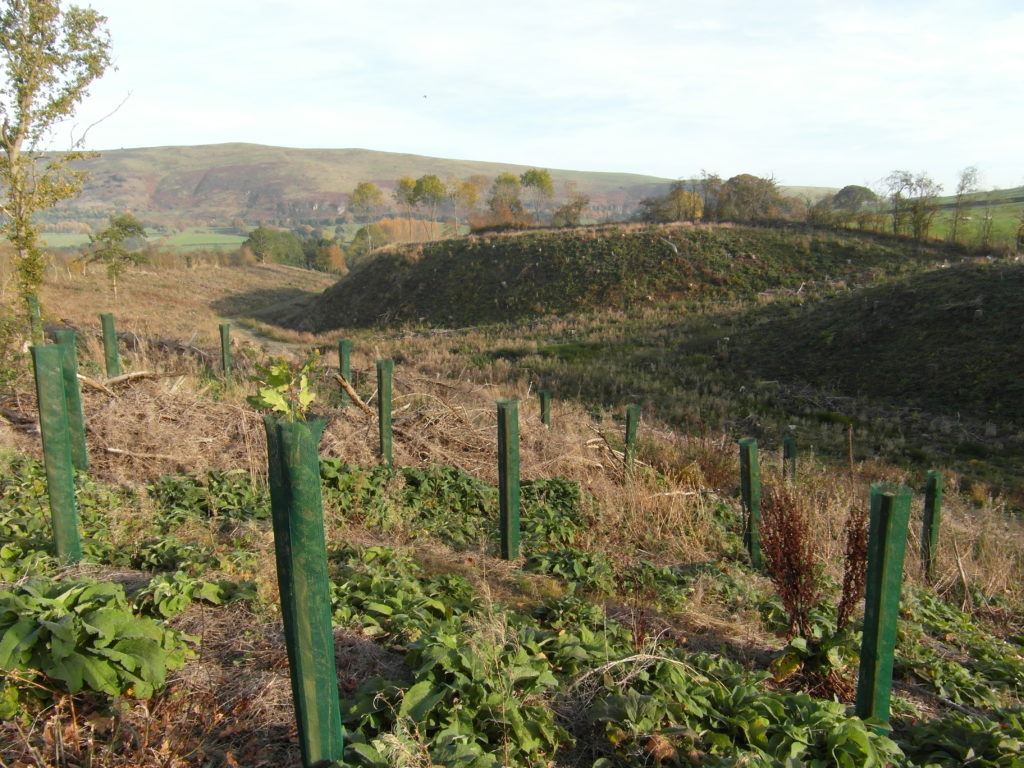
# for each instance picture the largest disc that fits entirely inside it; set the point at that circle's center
(118, 247)
(50, 57)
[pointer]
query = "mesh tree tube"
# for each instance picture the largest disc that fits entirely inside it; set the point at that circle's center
(57, 457)
(73, 398)
(887, 540)
(301, 555)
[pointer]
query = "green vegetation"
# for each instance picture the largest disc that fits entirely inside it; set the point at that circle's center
(482, 682)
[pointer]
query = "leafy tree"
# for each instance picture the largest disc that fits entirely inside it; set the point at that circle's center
(749, 198)
(710, 190)
(823, 213)
(965, 185)
(680, 204)
(430, 192)
(118, 247)
(260, 243)
(275, 245)
(366, 239)
(366, 199)
(537, 182)
(853, 198)
(50, 58)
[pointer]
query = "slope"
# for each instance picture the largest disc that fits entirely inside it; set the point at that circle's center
(947, 341)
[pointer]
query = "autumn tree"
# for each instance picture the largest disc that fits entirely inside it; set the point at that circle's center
(504, 201)
(570, 213)
(965, 185)
(118, 247)
(680, 204)
(50, 58)
(749, 198)
(709, 187)
(324, 254)
(366, 199)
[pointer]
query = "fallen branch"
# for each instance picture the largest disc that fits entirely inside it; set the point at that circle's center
(135, 455)
(131, 377)
(96, 384)
(352, 393)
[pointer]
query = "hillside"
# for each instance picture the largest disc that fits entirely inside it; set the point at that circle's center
(630, 629)
(947, 341)
(255, 181)
(512, 277)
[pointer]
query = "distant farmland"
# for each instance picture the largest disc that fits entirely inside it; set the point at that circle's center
(192, 239)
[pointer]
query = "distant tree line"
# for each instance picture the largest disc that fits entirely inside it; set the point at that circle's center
(904, 203)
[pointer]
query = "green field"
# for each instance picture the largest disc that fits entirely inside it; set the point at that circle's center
(191, 239)
(197, 238)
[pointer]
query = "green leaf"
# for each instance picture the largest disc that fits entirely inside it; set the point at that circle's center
(105, 622)
(419, 700)
(274, 399)
(71, 669)
(15, 640)
(212, 592)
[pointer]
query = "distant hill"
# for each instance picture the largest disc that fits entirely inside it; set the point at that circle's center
(254, 182)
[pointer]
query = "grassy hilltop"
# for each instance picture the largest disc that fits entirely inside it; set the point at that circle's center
(513, 277)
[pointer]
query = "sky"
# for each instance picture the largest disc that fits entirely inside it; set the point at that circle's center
(817, 93)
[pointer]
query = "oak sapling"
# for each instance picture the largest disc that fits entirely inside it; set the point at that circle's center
(285, 389)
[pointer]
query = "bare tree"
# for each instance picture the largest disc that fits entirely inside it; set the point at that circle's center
(967, 183)
(924, 191)
(898, 186)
